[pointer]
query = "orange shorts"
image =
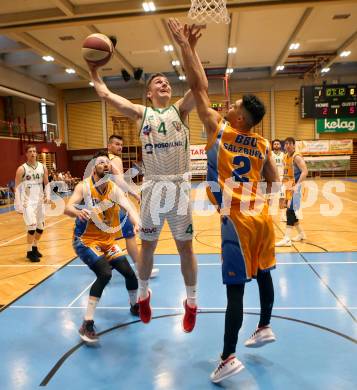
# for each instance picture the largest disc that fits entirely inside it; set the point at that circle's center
(90, 251)
(248, 245)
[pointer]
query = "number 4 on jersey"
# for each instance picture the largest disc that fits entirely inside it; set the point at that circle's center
(162, 128)
(189, 229)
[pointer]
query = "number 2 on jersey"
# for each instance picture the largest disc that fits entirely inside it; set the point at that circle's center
(244, 167)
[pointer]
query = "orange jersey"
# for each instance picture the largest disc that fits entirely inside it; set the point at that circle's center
(105, 225)
(291, 170)
(235, 161)
(291, 174)
(237, 158)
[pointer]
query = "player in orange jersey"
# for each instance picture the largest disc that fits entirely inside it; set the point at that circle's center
(237, 158)
(95, 205)
(295, 172)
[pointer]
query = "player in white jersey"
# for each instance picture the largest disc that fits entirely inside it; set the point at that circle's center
(115, 147)
(165, 193)
(30, 198)
(278, 155)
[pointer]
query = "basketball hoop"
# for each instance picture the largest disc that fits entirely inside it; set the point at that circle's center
(58, 142)
(206, 11)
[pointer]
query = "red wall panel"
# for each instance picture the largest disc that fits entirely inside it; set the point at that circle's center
(12, 156)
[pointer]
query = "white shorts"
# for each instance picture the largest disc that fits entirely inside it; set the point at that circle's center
(34, 215)
(161, 200)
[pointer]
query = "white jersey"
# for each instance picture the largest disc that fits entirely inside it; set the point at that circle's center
(32, 183)
(165, 142)
(279, 161)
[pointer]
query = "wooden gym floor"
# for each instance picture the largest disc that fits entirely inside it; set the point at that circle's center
(324, 234)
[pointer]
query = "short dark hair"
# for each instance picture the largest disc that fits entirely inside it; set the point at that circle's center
(152, 78)
(115, 136)
(100, 153)
(30, 146)
(275, 140)
(255, 108)
(290, 140)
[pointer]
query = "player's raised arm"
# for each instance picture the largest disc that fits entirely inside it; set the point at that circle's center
(76, 198)
(196, 77)
(125, 106)
(187, 103)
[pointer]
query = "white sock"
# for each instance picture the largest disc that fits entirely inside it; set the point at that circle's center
(133, 296)
(92, 304)
(29, 247)
(143, 288)
(191, 295)
(299, 229)
(288, 231)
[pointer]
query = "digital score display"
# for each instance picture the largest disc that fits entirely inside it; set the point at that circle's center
(219, 106)
(329, 101)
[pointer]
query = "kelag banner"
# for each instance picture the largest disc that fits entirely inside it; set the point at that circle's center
(336, 125)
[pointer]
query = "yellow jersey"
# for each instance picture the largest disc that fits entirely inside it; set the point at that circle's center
(235, 160)
(291, 174)
(104, 225)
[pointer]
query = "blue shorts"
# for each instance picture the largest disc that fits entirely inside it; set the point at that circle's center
(295, 202)
(92, 252)
(127, 228)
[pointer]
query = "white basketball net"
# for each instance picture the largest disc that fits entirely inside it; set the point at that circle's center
(209, 11)
(57, 141)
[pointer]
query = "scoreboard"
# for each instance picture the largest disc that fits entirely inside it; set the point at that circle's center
(219, 106)
(329, 101)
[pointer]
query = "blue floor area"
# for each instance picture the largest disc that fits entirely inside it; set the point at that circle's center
(351, 179)
(315, 302)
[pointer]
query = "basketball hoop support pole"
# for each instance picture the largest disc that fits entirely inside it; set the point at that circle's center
(225, 79)
(227, 90)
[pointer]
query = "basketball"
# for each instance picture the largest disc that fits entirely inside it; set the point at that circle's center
(97, 49)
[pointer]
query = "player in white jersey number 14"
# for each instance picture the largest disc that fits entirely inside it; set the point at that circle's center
(278, 155)
(31, 194)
